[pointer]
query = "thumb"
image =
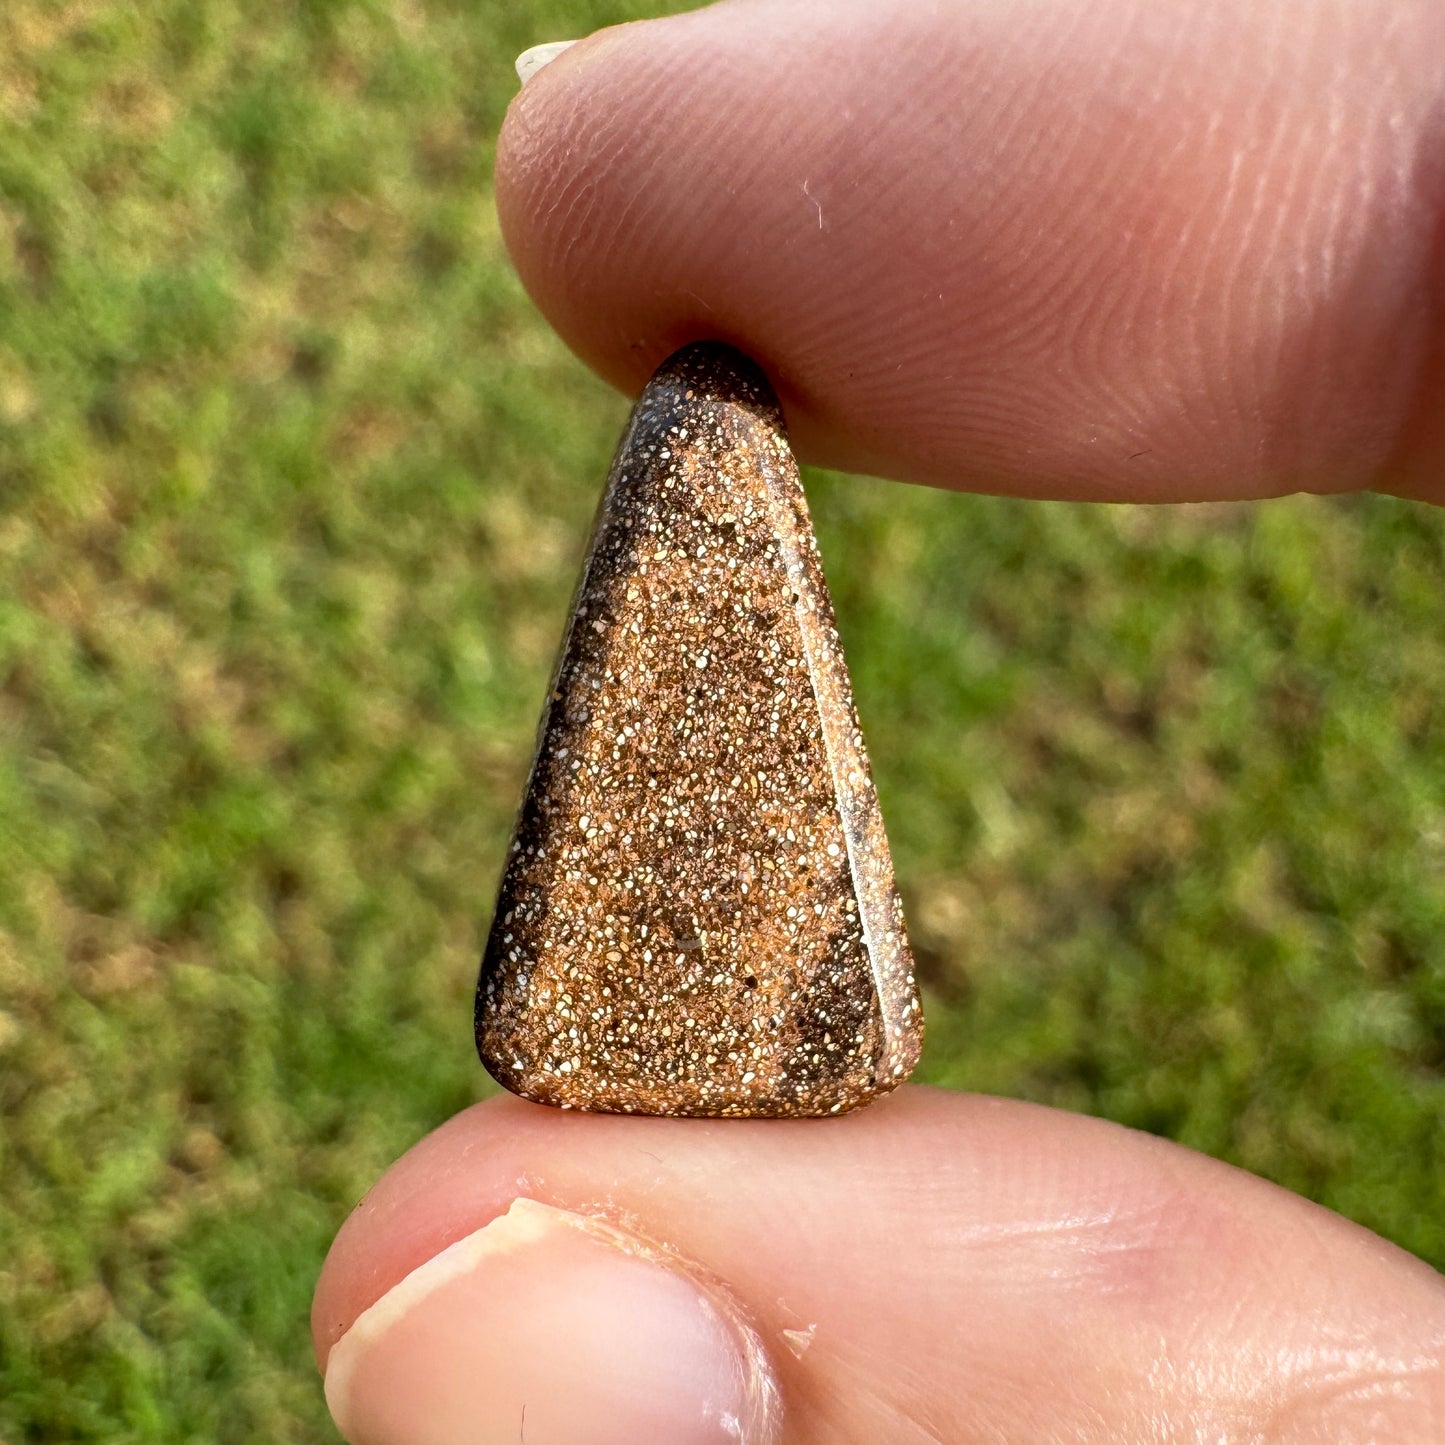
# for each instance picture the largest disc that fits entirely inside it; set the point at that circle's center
(937, 1267)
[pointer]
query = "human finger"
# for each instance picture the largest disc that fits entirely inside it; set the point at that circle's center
(937, 1267)
(1034, 246)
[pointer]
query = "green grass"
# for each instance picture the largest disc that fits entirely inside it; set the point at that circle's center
(293, 486)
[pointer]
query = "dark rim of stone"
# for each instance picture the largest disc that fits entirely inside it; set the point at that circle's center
(716, 371)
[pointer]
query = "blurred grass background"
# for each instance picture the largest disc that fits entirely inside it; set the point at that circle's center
(293, 487)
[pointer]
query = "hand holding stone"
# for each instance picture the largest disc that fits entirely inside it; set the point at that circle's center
(1171, 252)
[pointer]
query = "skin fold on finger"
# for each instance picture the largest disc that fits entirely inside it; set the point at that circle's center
(943, 1267)
(1046, 247)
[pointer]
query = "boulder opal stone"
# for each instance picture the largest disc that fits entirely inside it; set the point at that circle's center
(698, 913)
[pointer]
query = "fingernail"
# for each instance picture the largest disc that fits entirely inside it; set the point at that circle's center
(551, 1328)
(529, 62)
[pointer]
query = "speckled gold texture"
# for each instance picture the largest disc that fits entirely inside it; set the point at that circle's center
(698, 913)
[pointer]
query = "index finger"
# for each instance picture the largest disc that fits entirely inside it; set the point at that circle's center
(1090, 251)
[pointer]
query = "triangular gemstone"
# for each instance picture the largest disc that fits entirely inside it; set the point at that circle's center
(698, 913)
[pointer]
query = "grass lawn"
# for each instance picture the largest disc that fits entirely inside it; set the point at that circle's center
(293, 487)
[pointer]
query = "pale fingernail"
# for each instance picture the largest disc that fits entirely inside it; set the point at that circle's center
(554, 1329)
(529, 62)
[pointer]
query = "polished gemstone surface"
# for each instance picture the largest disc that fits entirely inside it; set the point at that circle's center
(698, 913)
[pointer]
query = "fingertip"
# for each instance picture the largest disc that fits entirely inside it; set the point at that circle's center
(641, 209)
(554, 1327)
(587, 188)
(415, 1211)
(1023, 247)
(982, 1264)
